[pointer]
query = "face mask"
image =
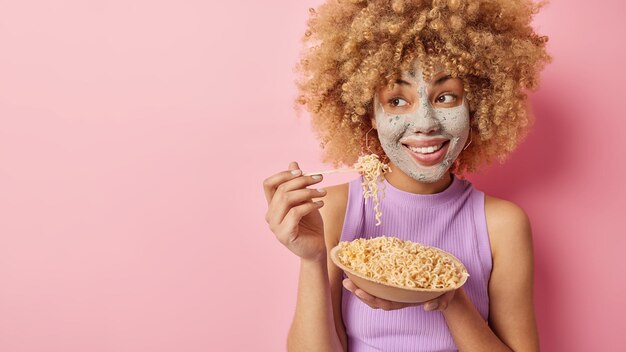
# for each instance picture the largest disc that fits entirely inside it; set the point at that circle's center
(425, 142)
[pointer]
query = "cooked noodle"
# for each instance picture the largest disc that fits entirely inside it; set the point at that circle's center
(391, 261)
(372, 168)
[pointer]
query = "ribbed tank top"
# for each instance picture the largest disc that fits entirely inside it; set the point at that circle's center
(453, 220)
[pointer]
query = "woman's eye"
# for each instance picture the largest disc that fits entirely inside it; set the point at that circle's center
(446, 98)
(398, 102)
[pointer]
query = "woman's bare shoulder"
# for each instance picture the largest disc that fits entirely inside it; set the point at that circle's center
(507, 224)
(503, 212)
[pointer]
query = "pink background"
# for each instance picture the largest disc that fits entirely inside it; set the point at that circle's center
(134, 136)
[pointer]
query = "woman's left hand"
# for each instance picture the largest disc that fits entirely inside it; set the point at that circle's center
(440, 303)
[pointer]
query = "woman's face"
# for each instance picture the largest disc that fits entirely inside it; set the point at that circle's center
(422, 126)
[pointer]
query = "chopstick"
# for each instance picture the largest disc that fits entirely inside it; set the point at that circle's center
(326, 172)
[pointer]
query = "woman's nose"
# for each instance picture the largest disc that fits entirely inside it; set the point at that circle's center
(424, 121)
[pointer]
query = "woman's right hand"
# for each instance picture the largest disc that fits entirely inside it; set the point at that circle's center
(292, 214)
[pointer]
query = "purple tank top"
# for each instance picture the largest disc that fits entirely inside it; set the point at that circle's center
(453, 220)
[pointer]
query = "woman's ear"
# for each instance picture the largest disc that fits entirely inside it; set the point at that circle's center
(372, 112)
(373, 120)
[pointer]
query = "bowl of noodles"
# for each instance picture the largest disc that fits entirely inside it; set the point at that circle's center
(399, 270)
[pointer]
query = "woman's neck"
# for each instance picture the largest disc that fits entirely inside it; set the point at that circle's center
(404, 182)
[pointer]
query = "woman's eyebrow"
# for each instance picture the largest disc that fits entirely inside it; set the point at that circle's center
(437, 82)
(402, 82)
(440, 80)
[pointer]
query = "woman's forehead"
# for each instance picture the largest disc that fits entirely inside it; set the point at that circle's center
(438, 69)
(416, 76)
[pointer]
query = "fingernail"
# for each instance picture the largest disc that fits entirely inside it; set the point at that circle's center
(321, 190)
(317, 177)
(431, 306)
(296, 172)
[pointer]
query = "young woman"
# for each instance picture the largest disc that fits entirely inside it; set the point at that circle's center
(436, 88)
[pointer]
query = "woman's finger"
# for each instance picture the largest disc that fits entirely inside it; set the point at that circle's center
(298, 183)
(288, 232)
(270, 184)
(432, 305)
(360, 294)
(444, 300)
(373, 301)
(276, 192)
(349, 285)
(440, 303)
(378, 302)
(370, 300)
(279, 208)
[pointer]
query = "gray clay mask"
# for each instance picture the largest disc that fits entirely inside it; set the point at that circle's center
(426, 141)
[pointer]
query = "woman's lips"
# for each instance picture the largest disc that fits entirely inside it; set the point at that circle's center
(429, 159)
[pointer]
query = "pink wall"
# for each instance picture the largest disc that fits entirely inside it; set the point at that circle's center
(134, 136)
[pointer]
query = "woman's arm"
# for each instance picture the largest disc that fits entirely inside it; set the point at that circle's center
(511, 308)
(511, 314)
(295, 219)
(294, 216)
(313, 326)
(317, 324)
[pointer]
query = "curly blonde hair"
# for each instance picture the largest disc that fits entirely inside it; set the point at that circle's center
(353, 47)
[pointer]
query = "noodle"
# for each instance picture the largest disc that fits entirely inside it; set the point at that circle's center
(372, 168)
(406, 264)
